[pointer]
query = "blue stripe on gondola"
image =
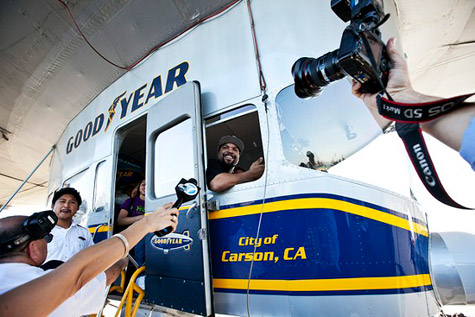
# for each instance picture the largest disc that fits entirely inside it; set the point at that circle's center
(337, 245)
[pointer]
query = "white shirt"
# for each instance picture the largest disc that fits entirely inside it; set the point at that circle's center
(88, 300)
(68, 242)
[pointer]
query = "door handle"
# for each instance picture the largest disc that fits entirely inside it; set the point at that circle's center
(189, 214)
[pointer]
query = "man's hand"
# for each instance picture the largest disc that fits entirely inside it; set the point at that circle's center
(225, 181)
(256, 169)
(399, 86)
(448, 129)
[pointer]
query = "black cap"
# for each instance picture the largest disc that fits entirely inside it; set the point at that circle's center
(64, 191)
(231, 139)
(35, 227)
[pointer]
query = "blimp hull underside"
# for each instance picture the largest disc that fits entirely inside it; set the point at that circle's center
(357, 305)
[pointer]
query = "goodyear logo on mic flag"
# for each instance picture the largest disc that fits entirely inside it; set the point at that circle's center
(172, 241)
(189, 189)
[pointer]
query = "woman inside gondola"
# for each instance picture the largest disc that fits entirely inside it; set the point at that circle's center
(131, 211)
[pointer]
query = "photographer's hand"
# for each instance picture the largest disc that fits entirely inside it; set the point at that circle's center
(163, 217)
(448, 129)
(399, 85)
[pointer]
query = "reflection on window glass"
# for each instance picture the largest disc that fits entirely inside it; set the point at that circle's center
(320, 132)
(99, 187)
(173, 158)
(82, 184)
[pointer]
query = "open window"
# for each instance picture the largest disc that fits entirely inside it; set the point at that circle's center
(130, 163)
(242, 122)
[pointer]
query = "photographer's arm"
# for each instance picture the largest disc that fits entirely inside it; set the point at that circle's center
(47, 292)
(114, 271)
(448, 129)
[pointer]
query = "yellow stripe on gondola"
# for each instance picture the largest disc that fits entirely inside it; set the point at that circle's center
(101, 229)
(321, 203)
(339, 284)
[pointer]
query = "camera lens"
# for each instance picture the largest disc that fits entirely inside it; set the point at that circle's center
(312, 74)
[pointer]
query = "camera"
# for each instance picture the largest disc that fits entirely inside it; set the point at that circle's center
(40, 224)
(35, 227)
(361, 55)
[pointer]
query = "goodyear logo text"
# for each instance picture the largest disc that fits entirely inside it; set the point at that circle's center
(172, 241)
(165, 241)
(128, 103)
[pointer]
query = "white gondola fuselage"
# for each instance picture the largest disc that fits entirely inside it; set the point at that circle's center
(327, 245)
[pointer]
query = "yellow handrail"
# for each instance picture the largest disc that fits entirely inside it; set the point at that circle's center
(119, 289)
(129, 294)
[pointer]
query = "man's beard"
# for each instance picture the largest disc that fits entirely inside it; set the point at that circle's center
(229, 167)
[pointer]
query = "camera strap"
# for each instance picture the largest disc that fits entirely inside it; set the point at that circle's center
(411, 135)
(52, 264)
(420, 112)
(407, 117)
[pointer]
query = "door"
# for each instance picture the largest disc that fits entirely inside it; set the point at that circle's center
(177, 265)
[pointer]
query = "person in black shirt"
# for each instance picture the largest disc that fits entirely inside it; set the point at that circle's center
(222, 173)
